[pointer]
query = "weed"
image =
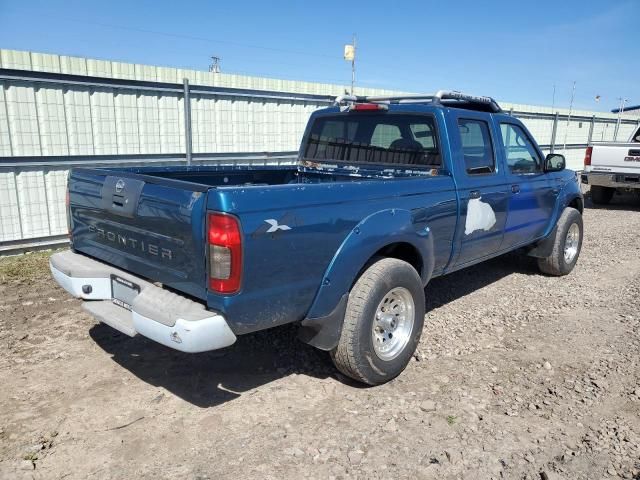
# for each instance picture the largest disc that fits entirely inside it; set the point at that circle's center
(28, 266)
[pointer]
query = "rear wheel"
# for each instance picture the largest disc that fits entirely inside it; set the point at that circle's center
(566, 246)
(383, 322)
(601, 195)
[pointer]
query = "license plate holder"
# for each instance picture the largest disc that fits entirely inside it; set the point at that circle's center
(123, 292)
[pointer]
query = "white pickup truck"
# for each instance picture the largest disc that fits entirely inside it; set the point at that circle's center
(611, 166)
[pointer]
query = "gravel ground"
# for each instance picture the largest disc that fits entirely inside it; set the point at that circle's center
(518, 376)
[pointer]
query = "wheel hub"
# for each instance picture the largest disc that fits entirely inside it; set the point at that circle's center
(393, 323)
(571, 243)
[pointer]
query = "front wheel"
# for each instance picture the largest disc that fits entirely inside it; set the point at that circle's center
(382, 324)
(566, 246)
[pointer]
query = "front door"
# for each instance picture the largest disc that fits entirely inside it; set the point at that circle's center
(482, 187)
(532, 193)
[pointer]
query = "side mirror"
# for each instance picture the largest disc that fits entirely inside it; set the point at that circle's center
(554, 162)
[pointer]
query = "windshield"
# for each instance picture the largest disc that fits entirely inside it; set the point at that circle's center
(374, 138)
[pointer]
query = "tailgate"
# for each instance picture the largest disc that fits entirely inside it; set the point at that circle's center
(620, 157)
(150, 226)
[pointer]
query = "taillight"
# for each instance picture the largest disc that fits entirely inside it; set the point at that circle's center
(368, 107)
(225, 253)
(587, 156)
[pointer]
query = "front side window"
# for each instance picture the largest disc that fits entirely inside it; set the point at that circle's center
(374, 138)
(477, 148)
(522, 157)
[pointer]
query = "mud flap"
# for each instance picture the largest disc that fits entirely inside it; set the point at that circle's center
(324, 332)
(544, 247)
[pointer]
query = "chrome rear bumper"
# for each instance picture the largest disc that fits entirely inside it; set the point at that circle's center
(613, 180)
(166, 317)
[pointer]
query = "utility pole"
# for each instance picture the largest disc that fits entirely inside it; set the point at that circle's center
(353, 65)
(620, 112)
(350, 55)
(214, 66)
(554, 126)
(566, 130)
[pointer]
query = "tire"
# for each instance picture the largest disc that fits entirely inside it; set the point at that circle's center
(601, 195)
(387, 284)
(569, 225)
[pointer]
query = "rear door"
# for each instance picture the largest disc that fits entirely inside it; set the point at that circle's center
(481, 185)
(149, 226)
(532, 193)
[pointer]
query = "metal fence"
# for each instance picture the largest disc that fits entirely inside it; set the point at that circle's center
(32, 190)
(52, 121)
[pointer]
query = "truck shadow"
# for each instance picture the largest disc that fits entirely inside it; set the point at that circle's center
(446, 289)
(621, 201)
(213, 378)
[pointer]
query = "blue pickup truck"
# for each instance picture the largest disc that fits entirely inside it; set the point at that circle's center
(387, 193)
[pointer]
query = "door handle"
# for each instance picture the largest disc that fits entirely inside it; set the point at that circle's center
(555, 191)
(515, 188)
(474, 194)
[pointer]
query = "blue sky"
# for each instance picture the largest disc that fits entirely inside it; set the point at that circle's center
(512, 50)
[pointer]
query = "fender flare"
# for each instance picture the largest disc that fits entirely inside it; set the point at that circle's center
(543, 247)
(323, 324)
(569, 192)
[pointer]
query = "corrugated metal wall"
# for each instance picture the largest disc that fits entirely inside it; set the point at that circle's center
(43, 119)
(62, 120)
(78, 120)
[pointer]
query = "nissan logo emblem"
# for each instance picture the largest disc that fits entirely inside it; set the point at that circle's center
(119, 186)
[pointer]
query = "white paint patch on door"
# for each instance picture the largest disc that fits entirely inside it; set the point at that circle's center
(480, 216)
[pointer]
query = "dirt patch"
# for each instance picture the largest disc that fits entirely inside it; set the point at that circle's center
(518, 375)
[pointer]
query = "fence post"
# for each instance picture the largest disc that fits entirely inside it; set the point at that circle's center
(553, 132)
(593, 122)
(5, 87)
(187, 121)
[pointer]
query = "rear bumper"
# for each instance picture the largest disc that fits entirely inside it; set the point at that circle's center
(156, 313)
(613, 180)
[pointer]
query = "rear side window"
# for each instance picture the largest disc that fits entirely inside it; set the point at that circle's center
(374, 138)
(522, 157)
(477, 148)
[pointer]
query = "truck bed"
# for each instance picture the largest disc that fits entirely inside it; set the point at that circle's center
(159, 230)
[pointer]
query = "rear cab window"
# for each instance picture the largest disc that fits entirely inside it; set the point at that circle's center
(390, 138)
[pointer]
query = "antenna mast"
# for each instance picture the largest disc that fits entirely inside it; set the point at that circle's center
(214, 66)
